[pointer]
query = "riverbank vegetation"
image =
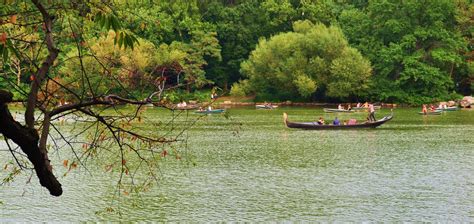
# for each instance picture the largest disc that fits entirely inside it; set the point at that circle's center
(417, 51)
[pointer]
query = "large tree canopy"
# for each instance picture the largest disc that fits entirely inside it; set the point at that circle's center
(415, 47)
(295, 64)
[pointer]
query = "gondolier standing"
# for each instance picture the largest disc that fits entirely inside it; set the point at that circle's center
(371, 113)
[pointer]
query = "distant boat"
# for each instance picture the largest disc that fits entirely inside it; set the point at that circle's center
(215, 111)
(316, 126)
(365, 108)
(448, 109)
(436, 112)
(331, 110)
(263, 106)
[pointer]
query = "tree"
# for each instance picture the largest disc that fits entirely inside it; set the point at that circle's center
(239, 26)
(67, 25)
(294, 65)
(414, 47)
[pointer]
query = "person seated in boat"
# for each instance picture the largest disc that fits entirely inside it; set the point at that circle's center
(209, 108)
(445, 106)
(424, 109)
(321, 121)
(201, 109)
(366, 105)
(336, 122)
(182, 104)
(358, 104)
(349, 107)
(432, 108)
(339, 107)
(352, 121)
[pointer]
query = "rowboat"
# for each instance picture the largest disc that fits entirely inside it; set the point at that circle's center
(436, 112)
(331, 110)
(365, 108)
(448, 109)
(215, 111)
(262, 106)
(316, 126)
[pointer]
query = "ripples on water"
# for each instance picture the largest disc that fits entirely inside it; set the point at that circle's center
(413, 168)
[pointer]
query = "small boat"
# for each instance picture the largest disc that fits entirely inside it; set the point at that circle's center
(187, 107)
(365, 108)
(316, 126)
(331, 110)
(436, 112)
(448, 109)
(215, 111)
(263, 106)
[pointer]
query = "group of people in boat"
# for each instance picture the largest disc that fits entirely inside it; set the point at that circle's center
(424, 108)
(336, 121)
(209, 108)
(340, 107)
(370, 118)
(358, 105)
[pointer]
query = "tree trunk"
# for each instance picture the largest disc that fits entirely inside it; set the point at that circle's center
(28, 139)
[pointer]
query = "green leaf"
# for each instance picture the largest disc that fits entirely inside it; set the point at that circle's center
(5, 54)
(121, 39)
(107, 24)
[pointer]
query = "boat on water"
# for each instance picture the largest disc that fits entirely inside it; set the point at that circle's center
(265, 106)
(332, 110)
(316, 126)
(215, 111)
(447, 108)
(436, 112)
(365, 108)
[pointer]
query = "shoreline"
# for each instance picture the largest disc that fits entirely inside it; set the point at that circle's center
(289, 103)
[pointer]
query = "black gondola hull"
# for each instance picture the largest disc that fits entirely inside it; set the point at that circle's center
(316, 126)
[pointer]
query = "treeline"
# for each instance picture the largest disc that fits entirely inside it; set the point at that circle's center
(306, 50)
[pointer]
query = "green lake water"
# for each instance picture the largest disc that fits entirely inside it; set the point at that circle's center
(251, 168)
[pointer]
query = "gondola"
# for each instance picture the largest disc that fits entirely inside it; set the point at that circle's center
(436, 112)
(263, 106)
(316, 126)
(331, 110)
(215, 111)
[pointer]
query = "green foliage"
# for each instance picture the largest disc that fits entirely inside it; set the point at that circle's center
(414, 47)
(241, 88)
(418, 49)
(295, 64)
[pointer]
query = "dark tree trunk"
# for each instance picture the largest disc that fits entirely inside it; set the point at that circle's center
(28, 139)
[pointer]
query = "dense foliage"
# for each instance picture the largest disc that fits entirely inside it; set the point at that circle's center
(295, 64)
(417, 47)
(419, 51)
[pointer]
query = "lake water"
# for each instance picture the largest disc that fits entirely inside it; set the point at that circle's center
(251, 168)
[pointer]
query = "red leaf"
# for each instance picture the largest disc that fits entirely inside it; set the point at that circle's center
(164, 153)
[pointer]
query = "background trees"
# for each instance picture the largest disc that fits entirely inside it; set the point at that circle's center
(415, 47)
(420, 50)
